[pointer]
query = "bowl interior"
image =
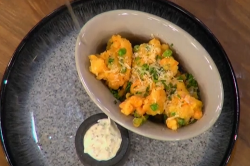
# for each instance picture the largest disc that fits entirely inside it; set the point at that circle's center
(139, 26)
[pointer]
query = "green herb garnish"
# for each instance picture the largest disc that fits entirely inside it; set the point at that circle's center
(147, 91)
(147, 48)
(110, 60)
(193, 121)
(145, 67)
(180, 78)
(115, 93)
(152, 70)
(173, 89)
(127, 89)
(191, 82)
(165, 85)
(158, 57)
(136, 48)
(155, 76)
(154, 73)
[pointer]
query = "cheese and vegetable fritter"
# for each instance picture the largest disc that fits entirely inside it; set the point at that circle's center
(148, 81)
(114, 64)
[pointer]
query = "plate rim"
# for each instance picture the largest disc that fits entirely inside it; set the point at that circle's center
(60, 9)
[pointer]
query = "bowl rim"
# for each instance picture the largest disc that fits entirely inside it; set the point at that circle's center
(15, 55)
(113, 117)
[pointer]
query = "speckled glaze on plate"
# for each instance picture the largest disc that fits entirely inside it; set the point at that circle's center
(43, 102)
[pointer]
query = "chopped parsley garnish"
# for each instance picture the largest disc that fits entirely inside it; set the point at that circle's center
(189, 76)
(136, 48)
(127, 89)
(152, 71)
(110, 60)
(154, 107)
(147, 48)
(167, 53)
(178, 96)
(145, 67)
(192, 121)
(162, 69)
(122, 52)
(155, 76)
(191, 82)
(175, 86)
(180, 78)
(115, 93)
(172, 88)
(158, 57)
(171, 45)
(138, 93)
(147, 92)
(165, 85)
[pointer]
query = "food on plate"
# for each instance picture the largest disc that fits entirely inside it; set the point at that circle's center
(114, 64)
(149, 82)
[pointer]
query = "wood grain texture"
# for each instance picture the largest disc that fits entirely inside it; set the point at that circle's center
(227, 19)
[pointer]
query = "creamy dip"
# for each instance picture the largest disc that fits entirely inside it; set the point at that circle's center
(102, 140)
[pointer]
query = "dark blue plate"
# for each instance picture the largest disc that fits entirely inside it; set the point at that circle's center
(43, 102)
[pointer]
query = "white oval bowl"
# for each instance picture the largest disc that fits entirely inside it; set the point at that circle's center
(191, 55)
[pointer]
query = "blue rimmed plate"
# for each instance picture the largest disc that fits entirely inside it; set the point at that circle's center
(43, 102)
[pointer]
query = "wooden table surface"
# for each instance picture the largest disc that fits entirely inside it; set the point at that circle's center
(229, 20)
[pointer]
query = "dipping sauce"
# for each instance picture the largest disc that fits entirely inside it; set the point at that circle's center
(103, 140)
